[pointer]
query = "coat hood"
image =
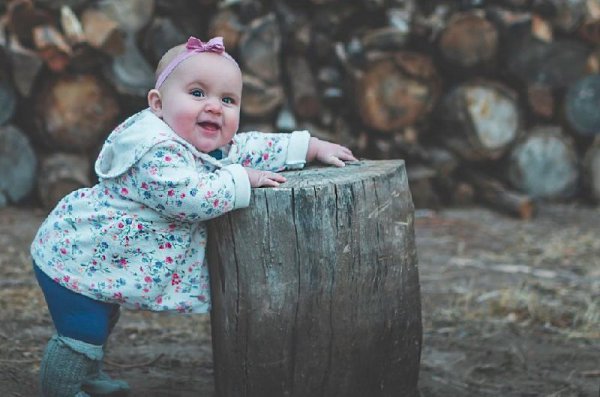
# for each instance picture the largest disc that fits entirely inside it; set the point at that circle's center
(128, 143)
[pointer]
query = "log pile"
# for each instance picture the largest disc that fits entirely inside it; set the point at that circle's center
(494, 101)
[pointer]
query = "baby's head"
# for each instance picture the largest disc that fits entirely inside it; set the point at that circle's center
(198, 93)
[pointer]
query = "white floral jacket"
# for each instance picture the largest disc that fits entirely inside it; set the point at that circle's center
(138, 237)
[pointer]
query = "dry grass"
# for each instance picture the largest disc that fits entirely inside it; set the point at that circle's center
(571, 312)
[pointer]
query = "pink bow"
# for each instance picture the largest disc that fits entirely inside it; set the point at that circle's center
(194, 46)
(214, 45)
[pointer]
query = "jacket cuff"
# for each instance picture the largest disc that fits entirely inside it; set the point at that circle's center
(297, 149)
(242, 185)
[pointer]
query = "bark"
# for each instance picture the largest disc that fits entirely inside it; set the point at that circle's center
(591, 170)
(102, 32)
(259, 49)
(26, 66)
(162, 35)
(227, 24)
(493, 193)
(8, 96)
(305, 97)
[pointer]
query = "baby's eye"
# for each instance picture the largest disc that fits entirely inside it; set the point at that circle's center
(197, 93)
(228, 100)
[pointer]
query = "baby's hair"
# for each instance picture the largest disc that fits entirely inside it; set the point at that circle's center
(167, 58)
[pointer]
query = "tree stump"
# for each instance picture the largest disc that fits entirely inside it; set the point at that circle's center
(315, 287)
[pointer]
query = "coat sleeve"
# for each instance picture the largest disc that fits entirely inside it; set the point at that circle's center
(270, 152)
(168, 180)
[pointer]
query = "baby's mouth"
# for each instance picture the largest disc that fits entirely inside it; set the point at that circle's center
(209, 125)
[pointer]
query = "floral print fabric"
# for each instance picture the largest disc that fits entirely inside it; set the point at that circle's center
(138, 237)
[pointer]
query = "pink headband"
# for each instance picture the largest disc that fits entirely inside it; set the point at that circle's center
(193, 46)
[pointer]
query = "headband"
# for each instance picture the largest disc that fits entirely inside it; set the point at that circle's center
(193, 46)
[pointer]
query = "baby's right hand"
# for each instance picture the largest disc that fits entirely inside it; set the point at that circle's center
(264, 178)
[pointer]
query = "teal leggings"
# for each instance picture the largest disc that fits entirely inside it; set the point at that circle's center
(77, 316)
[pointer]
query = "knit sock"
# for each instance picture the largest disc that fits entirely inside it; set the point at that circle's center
(66, 364)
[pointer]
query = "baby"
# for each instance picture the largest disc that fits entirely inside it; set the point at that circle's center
(137, 239)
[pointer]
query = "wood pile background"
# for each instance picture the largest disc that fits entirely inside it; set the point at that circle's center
(490, 101)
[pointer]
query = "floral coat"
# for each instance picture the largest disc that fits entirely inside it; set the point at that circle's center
(138, 237)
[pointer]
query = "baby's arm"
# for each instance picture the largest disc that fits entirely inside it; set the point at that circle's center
(328, 153)
(268, 151)
(277, 152)
(168, 179)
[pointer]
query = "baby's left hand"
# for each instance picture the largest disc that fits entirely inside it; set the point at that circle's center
(328, 153)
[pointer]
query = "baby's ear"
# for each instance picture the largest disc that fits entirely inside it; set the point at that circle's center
(155, 102)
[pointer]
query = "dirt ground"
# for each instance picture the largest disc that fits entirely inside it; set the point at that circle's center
(510, 308)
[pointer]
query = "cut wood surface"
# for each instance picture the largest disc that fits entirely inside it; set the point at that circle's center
(102, 32)
(60, 174)
(479, 120)
(130, 73)
(469, 40)
(556, 64)
(323, 300)
(18, 165)
(544, 165)
(582, 106)
(75, 112)
(260, 99)
(397, 92)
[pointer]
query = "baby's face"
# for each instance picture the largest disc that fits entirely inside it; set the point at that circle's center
(201, 100)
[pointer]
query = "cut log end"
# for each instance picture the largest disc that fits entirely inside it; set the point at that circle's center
(76, 112)
(544, 165)
(395, 94)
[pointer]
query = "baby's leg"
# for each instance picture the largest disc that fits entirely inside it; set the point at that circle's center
(72, 360)
(100, 383)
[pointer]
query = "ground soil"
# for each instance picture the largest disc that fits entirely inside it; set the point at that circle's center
(510, 308)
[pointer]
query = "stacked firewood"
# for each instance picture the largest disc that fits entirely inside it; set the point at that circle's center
(496, 101)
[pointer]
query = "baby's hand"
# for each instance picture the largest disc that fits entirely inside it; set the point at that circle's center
(328, 153)
(264, 178)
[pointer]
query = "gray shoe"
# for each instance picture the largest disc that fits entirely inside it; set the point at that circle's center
(103, 385)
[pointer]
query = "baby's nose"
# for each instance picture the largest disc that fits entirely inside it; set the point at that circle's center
(214, 105)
